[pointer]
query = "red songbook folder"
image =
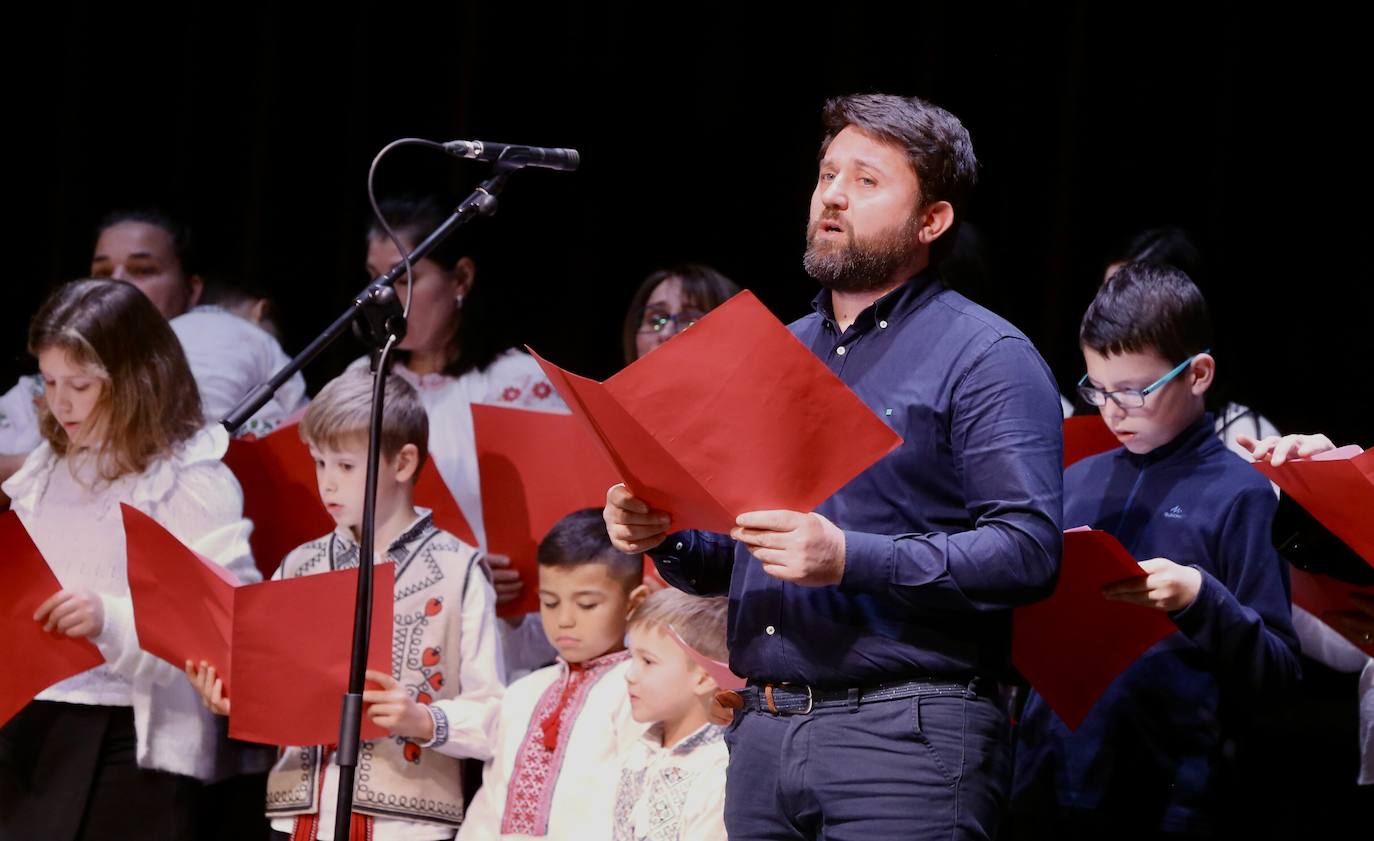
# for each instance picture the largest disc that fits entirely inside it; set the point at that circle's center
(34, 660)
(281, 498)
(1322, 596)
(733, 415)
(535, 467)
(292, 644)
(183, 603)
(1072, 645)
(1336, 488)
(281, 647)
(1086, 435)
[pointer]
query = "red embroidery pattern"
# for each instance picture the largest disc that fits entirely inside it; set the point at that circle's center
(511, 394)
(529, 796)
(542, 390)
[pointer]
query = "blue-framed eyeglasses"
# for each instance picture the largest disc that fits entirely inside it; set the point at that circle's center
(1131, 398)
(656, 321)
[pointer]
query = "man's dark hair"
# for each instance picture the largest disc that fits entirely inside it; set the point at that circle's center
(182, 244)
(1147, 307)
(580, 538)
(935, 142)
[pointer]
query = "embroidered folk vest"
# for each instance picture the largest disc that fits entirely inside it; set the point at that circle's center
(395, 778)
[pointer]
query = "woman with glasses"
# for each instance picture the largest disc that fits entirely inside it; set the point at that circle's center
(669, 301)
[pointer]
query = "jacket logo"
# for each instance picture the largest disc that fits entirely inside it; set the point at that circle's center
(1175, 513)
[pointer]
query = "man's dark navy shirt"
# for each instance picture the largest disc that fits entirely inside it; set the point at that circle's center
(942, 536)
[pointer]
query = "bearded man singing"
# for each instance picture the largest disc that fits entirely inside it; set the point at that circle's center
(874, 630)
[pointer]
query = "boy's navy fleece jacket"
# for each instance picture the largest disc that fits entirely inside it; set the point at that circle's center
(1150, 748)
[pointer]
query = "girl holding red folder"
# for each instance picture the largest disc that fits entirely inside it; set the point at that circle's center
(121, 423)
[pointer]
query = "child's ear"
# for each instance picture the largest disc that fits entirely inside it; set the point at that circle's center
(1203, 371)
(703, 685)
(465, 273)
(637, 596)
(195, 287)
(407, 462)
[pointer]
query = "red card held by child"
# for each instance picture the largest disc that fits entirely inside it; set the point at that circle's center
(292, 642)
(732, 415)
(1336, 488)
(535, 468)
(1074, 644)
(282, 499)
(34, 659)
(1087, 435)
(719, 672)
(183, 603)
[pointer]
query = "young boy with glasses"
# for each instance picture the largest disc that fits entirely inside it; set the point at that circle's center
(1146, 759)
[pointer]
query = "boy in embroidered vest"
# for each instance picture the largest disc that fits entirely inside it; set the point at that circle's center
(563, 728)
(672, 781)
(441, 700)
(1145, 762)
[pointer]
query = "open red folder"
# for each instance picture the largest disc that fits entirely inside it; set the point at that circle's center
(1336, 488)
(280, 496)
(535, 468)
(733, 415)
(282, 647)
(1086, 435)
(1072, 645)
(34, 660)
(1322, 596)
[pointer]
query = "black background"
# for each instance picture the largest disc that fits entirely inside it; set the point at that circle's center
(698, 127)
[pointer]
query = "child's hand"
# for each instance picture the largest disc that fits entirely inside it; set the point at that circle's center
(392, 708)
(209, 686)
(504, 580)
(1166, 586)
(1276, 450)
(76, 613)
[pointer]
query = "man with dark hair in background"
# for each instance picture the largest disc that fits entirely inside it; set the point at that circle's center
(874, 629)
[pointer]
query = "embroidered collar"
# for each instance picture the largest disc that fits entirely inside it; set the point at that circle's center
(703, 735)
(399, 550)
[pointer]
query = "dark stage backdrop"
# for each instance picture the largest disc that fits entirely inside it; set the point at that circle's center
(699, 128)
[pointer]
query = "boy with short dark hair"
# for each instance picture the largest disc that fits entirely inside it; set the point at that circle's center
(1146, 758)
(563, 728)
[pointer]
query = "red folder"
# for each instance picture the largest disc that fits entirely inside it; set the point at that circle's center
(281, 647)
(282, 499)
(1086, 435)
(1072, 645)
(292, 642)
(183, 603)
(733, 415)
(1337, 488)
(535, 467)
(1322, 596)
(34, 660)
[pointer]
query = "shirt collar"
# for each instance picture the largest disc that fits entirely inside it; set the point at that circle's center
(890, 308)
(705, 734)
(1194, 437)
(420, 527)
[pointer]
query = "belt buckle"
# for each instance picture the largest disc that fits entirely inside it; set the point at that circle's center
(773, 707)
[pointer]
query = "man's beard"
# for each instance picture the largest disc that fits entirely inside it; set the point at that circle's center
(858, 265)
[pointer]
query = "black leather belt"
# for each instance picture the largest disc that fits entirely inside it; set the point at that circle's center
(799, 699)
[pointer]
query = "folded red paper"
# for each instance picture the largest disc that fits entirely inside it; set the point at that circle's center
(1337, 488)
(733, 415)
(536, 467)
(282, 500)
(292, 644)
(1324, 597)
(718, 671)
(1072, 645)
(34, 659)
(282, 647)
(183, 603)
(1086, 435)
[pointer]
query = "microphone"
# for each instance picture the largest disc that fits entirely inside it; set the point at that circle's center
(565, 160)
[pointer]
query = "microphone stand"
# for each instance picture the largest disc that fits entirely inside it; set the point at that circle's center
(378, 310)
